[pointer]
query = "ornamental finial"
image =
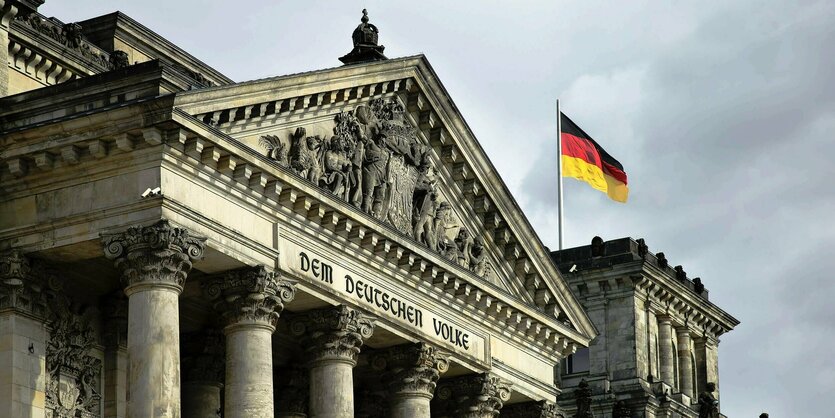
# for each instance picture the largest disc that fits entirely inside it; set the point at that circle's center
(365, 39)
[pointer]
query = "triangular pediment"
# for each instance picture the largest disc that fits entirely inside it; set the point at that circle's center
(385, 138)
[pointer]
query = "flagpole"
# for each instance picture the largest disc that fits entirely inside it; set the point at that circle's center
(559, 174)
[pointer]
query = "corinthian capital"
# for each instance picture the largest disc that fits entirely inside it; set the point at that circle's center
(476, 396)
(252, 295)
(411, 369)
(158, 254)
(334, 333)
(540, 409)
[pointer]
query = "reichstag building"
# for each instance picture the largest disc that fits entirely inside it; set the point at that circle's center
(326, 244)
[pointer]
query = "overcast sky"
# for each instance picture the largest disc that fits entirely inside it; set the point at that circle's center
(722, 114)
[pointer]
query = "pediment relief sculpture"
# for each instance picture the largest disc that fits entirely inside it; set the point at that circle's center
(375, 161)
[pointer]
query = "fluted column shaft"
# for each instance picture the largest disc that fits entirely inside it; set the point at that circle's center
(155, 261)
(333, 337)
(665, 348)
(249, 301)
(685, 362)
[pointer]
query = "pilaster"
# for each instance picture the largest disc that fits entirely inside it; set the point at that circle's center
(115, 339)
(155, 261)
(249, 301)
(23, 339)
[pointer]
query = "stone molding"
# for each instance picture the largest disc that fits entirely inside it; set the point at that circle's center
(203, 357)
(475, 396)
(411, 369)
(249, 296)
(154, 255)
(539, 409)
(333, 333)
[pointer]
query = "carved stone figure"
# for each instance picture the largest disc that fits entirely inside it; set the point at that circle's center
(464, 242)
(72, 33)
(621, 410)
(276, 149)
(119, 59)
(708, 405)
(425, 204)
(338, 167)
(305, 155)
(583, 398)
(443, 220)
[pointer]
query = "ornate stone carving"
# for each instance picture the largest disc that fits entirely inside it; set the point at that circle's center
(708, 405)
(292, 393)
(154, 254)
(334, 333)
(411, 369)
(203, 357)
(69, 35)
(119, 59)
(541, 409)
(74, 384)
(250, 295)
(365, 39)
(376, 162)
(582, 396)
(22, 285)
(477, 396)
(621, 410)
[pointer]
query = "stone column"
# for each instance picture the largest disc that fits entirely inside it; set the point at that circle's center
(685, 362)
(474, 396)
(249, 300)
(332, 338)
(539, 409)
(155, 261)
(203, 367)
(410, 372)
(23, 338)
(115, 338)
(665, 348)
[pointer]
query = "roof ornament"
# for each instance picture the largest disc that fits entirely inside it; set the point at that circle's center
(365, 39)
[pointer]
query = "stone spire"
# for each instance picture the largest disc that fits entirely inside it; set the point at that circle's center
(365, 38)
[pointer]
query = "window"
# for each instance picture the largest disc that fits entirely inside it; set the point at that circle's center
(577, 362)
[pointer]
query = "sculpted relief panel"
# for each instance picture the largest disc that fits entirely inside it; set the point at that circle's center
(375, 161)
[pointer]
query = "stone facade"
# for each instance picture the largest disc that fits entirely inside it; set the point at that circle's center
(657, 350)
(326, 244)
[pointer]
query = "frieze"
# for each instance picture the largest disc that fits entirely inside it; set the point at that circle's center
(381, 299)
(154, 254)
(71, 36)
(375, 161)
(252, 295)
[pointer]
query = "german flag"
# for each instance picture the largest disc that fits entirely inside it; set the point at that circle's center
(585, 160)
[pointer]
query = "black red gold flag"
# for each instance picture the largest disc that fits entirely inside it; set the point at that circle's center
(585, 160)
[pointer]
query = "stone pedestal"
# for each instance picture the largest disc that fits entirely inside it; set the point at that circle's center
(332, 337)
(23, 337)
(410, 373)
(475, 396)
(249, 301)
(155, 261)
(665, 348)
(203, 366)
(685, 362)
